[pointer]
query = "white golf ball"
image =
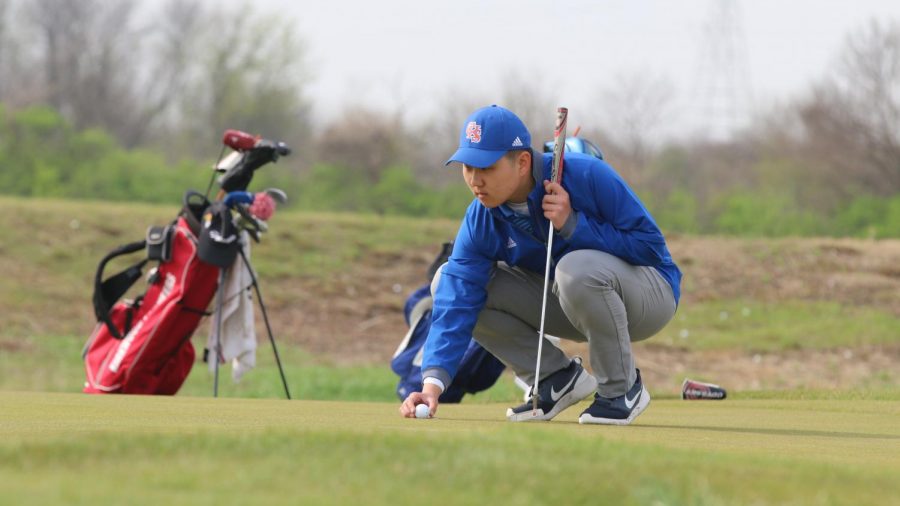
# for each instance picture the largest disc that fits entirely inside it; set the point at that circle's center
(422, 411)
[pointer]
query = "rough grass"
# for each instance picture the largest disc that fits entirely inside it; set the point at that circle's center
(53, 364)
(788, 325)
(51, 248)
(189, 450)
(752, 296)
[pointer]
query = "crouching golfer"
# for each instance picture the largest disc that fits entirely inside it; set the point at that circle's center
(614, 281)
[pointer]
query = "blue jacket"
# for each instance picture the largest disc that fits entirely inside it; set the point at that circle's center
(607, 216)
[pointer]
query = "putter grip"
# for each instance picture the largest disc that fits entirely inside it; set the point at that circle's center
(559, 144)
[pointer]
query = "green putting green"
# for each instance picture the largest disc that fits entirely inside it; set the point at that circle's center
(71, 449)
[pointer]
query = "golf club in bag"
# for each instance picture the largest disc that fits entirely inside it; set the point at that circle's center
(143, 346)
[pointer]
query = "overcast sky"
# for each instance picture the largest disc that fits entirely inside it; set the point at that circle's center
(382, 53)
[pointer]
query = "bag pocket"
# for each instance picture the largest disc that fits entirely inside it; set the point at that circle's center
(159, 242)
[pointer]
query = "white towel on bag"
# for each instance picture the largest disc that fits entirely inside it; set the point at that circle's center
(238, 326)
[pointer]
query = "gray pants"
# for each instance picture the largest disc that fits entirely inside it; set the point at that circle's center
(596, 298)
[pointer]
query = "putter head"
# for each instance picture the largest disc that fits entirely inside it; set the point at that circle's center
(277, 195)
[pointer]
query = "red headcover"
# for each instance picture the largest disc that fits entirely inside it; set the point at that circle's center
(239, 141)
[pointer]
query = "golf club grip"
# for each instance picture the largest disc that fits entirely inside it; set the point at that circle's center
(559, 144)
(238, 141)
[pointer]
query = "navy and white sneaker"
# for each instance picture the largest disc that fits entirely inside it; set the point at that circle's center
(557, 392)
(619, 410)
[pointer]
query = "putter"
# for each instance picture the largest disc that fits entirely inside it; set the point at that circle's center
(559, 146)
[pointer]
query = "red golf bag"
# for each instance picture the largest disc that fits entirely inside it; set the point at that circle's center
(144, 346)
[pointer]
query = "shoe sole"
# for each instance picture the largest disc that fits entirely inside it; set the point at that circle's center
(585, 385)
(641, 406)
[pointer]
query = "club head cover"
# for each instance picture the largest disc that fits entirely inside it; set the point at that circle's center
(263, 206)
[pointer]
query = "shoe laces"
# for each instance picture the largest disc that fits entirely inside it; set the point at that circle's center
(605, 400)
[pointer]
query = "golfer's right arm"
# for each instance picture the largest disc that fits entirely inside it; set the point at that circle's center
(458, 299)
(456, 307)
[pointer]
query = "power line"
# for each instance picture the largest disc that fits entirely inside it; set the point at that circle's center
(723, 92)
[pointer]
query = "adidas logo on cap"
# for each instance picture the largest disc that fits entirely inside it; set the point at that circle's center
(517, 143)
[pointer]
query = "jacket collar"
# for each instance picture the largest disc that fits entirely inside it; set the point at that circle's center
(537, 167)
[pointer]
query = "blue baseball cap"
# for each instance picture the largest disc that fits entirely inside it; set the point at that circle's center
(488, 134)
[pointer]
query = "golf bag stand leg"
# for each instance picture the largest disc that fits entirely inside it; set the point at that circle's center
(262, 308)
(217, 345)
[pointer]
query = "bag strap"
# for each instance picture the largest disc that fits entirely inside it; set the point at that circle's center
(106, 293)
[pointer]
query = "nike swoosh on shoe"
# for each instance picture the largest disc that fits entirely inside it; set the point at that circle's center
(630, 403)
(554, 395)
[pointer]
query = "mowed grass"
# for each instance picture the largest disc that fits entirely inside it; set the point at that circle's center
(79, 449)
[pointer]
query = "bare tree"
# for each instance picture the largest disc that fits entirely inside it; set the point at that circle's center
(88, 52)
(438, 137)
(522, 94)
(20, 83)
(85, 59)
(175, 75)
(251, 76)
(363, 140)
(4, 48)
(852, 120)
(170, 49)
(635, 106)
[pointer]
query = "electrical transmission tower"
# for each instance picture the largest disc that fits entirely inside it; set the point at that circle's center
(723, 91)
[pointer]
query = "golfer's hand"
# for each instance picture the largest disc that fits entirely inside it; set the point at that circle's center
(428, 396)
(557, 207)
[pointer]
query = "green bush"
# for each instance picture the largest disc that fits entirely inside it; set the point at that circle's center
(397, 192)
(860, 217)
(332, 188)
(43, 156)
(890, 225)
(678, 212)
(765, 214)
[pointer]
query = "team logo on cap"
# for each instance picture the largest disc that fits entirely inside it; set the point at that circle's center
(473, 132)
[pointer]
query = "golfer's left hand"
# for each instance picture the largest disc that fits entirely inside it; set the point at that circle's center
(557, 207)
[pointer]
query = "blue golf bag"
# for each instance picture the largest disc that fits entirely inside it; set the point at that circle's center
(478, 370)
